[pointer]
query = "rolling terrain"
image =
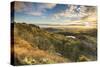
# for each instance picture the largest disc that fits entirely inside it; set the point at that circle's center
(31, 44)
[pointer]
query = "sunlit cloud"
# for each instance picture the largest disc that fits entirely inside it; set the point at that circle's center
(56, 13)
(35, 13)
(75, 12)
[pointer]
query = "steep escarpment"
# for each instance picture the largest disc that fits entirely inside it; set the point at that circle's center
(33, 45)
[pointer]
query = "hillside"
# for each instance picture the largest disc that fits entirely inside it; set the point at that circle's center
(33, 45)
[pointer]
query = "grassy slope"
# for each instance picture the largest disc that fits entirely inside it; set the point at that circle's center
(33, 45)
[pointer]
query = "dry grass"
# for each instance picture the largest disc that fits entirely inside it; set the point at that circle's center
(23, 49)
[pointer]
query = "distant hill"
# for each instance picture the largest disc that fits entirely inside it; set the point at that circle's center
(33, 45)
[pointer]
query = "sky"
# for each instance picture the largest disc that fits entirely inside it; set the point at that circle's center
(51, 13)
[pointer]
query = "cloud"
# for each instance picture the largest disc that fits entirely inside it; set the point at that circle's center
(91, 14)
(72, 8)
(76, 12)
(19, 6)
(35, 9)
(47, 5)
(40, 8)
(22, 6)
(71, 13)
(35, 13)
